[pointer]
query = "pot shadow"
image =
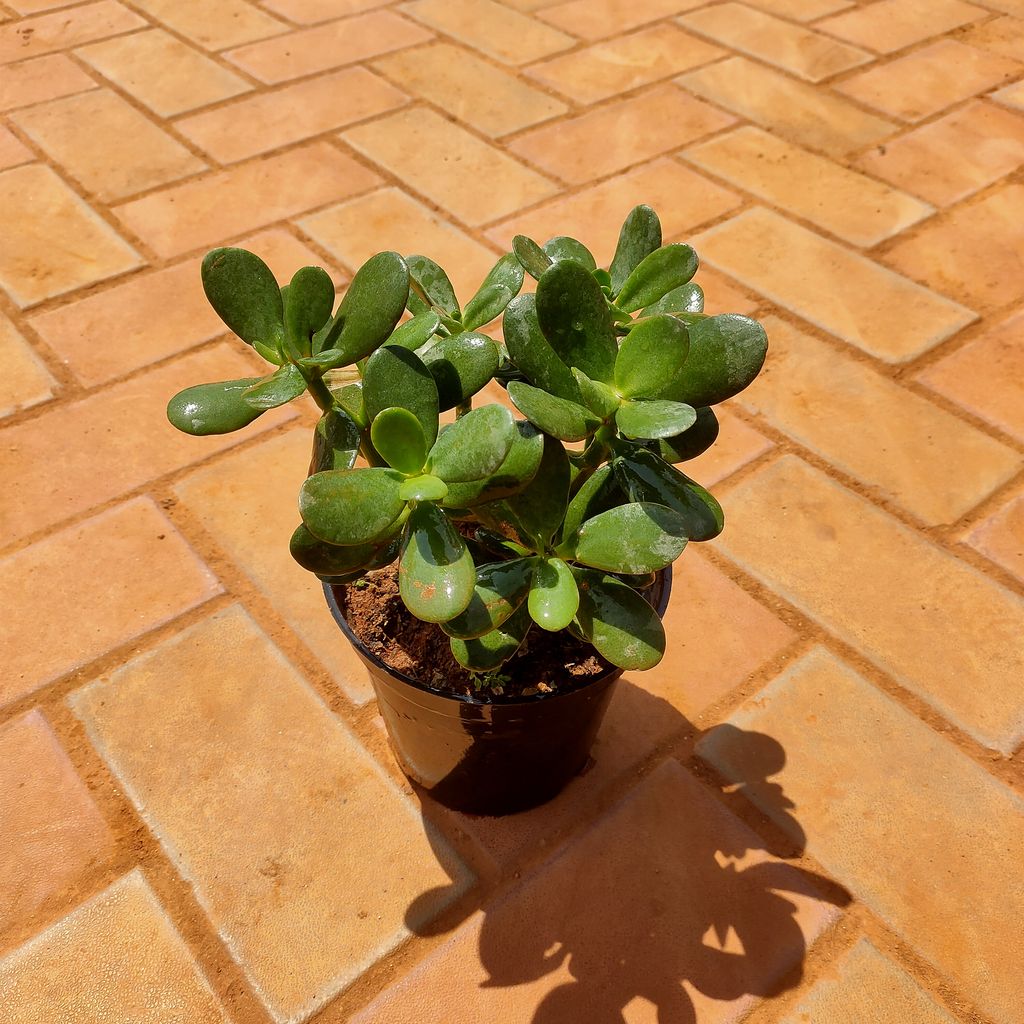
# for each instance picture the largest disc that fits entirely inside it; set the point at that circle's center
(668, 886)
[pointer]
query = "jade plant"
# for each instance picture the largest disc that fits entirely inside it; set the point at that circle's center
(557, 519)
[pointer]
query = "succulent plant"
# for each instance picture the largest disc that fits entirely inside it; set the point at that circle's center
(557, 520)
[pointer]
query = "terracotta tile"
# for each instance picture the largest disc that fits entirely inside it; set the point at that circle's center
(36, 6)
(951, 158)
(927, 81)
(611, 138)
(620, 920)
(451, 167)
(162, 72)
(226, 23)
(1000, 537)
(721, 295)
(54, 242)
(327, 46)
(25, 381)
(801, 51)
(801, 10)
(891, 25)
(595, 19)
(737, 445)
(604, 69)
(45, 78)
(53, 837)
(60, 30)
(12, 151)
(594, 215)
(857, 209)
(248, 503)
(47, 479)
(226, 203)
(1015, 7)
(472, 90)
(1003, 35)
(118, 957)
(938, 627)
(914, 828)
(813, 278)
(906, 448)
(795, 110)
(311, 12)
(986, 376)
(260, 794)
(389, 219)
(134, 572)
(974, 252)
(106, 144)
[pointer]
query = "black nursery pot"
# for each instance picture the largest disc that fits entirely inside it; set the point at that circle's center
(496, 756)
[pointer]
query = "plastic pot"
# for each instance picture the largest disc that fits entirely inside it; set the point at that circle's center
(495, 756)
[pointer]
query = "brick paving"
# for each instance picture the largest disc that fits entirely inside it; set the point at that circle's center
(812, 811)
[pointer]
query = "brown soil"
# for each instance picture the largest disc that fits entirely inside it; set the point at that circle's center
(545, 663)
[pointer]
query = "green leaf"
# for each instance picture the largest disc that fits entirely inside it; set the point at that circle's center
(660, 272)
(533, 259)
(461, 365)
(600, 492)
(398, 438)
(693, 441)
(620, 624)
(307, 307)
(653, 418)
(519, 467)
(639, 537)
(490, 651)
(499, 288)
(397, 377)
(639, 237)
(416, 331)
(279, 388)
(372, 306)
(431, 287)
(327, 359)
(501, 587)
(726, 354)
(474, 446)
(646, 477)
(436, 575)
(242, 289)
(350, 398)
(215, 408)
(562, 247)
(423, 488)
(335, 442)
(532, 353)
(597, 397)
(351, 506)
(556, 416)
(574, 317)
(687, 298)
(554, 598)
(334, 560)
(651, 356)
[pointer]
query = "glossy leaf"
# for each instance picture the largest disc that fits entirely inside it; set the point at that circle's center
(328, 359)
(335, 560)
(533, 259)
(499, 288)
(532, 352)
(649, 419)
(215, 408)
(243, 291)
(621, 625)
(307, 308)
(575, 318)
(638, 537)
(492, 650)
(398, 438)
(335, 442)
(554, 598)
(519, 467)
(597, 397)
(372, 306)
(556, 416)
(350, 398)
(416, 331)
(639, 237)
(687, 298)
(474, 446)
(353, 506)
(599, 492)
(279, 388)
(436, 576)
(461, 365)
(651, 357)
(693, 441)
(397, 377)
(431, 287)
(501, 587)
(669, 267)
(424, 487)
(562, 247)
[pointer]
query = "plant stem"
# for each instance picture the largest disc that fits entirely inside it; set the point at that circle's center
(463, 407)
(318, 389)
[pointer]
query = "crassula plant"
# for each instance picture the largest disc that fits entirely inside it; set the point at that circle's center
(557, 519)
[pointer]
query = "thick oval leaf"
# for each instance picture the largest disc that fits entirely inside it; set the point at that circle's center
(687, 298)
(656, 275)
(351, 506)
(350, 398)
(562, 247)
(651, 356)
(213, 408)
(461, 365)
(242, 289)
(533, 259)
(279, 388)
(398, 438)
(416, 331)
(515, 472)
(499, 288)
(430, 287)
(532, 353)
(599, 492)
(372, 306)
(597, 397)
(646, 477)
(474, 446)
(620, 624)
(492, 650)
(693, 441)
(307, 307)
(436, 575)
(424, 487)
(334, 560)
(327, 359)
(501, 587)
(554, 598)
(397, 377)
(726, 354)
(639, 237)
(649, 419)
(634, 538)
(335, 442)
(575, 318)
(555, 416)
